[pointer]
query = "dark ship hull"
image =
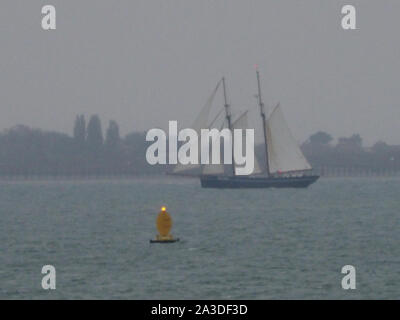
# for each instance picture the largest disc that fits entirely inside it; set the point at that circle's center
(242, 182)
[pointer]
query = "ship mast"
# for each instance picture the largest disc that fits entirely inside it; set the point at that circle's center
(264, 121)
(229, 120)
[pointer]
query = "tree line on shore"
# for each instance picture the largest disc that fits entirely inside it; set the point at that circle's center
(27, 152)
(349, 156)
(33, 152)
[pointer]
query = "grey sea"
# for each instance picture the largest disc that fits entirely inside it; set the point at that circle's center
(235, 244)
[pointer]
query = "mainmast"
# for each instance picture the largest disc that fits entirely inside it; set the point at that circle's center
(264, 121)
(229, 120)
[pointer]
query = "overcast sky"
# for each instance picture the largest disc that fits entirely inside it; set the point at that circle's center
(145, 62)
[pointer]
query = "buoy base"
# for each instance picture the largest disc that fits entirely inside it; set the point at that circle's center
(164, 239)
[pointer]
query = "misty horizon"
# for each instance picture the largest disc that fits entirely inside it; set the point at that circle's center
(145, 63)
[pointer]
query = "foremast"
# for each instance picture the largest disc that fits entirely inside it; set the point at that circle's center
(228, 117)
(264, 122)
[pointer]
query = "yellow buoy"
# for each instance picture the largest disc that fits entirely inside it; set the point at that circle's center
(164, 225)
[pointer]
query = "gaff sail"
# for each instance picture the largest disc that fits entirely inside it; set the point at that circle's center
(284, 154)
(201, 122)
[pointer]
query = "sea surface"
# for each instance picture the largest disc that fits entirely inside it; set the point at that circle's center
(235, 244)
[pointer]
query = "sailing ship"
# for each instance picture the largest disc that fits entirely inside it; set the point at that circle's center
(285, 164)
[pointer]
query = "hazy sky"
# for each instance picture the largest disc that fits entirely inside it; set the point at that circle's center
(145, 62)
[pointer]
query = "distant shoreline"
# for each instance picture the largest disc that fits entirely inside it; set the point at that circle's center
(154, 177)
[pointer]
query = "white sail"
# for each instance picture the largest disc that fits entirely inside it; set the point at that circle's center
(214, 169)
(242, 123)
(201, 122)
(284, 154)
